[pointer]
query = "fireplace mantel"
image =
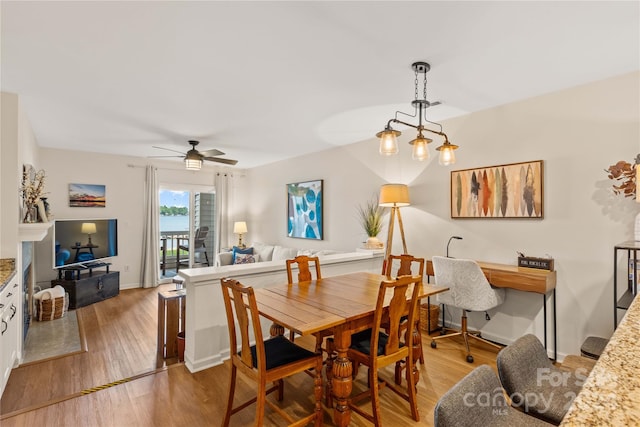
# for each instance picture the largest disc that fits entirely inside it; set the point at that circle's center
(33, 232)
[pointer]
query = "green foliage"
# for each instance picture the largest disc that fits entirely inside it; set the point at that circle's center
(370, 216)
(174, 210)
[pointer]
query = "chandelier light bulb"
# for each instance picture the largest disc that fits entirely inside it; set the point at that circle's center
(420, 150)
(447, 156)
(388, 142)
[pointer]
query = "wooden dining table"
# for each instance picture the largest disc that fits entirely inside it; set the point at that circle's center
(344, 304)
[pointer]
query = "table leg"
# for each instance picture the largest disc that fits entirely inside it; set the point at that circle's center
(276, 330)
(342, 382)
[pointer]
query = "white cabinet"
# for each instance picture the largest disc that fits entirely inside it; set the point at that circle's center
(10, 327)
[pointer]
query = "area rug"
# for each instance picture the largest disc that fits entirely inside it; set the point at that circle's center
(51, 339)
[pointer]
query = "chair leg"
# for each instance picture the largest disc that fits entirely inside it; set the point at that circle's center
(232, 389)
(260, 403)
(417, 342)
(375, 396)
(280, 384)
(412, 377)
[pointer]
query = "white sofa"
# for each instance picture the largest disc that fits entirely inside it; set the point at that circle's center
(207, 338)
(263, 252)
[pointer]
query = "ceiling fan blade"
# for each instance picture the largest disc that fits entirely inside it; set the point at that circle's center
(169, 149)
(219, 160)
(158, 157)
(211, 153)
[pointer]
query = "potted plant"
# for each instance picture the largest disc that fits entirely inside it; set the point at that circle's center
(370, 216)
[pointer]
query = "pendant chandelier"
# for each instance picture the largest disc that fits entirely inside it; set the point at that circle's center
(420, 152)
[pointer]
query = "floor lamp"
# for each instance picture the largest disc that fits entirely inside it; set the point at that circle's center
(393, 196)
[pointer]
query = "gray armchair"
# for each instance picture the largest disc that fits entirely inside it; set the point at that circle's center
(535, 384)
(478, 400)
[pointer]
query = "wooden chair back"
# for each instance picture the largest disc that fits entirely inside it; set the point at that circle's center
(399, 306)
(408, 265)
(243, 318)
(304, 271)
(400, 296)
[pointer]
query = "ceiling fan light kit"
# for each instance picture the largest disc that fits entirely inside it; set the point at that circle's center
(420, 151)
(193, 158)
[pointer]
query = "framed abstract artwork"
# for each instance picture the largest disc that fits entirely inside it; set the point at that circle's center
(506, 191)
(304, 209)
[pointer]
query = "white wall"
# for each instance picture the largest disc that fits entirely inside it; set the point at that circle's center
(577, 132)
(124, 178)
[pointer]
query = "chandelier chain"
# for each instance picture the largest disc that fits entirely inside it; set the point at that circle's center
(424, 89)
(416, 84)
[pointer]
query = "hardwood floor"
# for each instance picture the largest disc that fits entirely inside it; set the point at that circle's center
(121, 335)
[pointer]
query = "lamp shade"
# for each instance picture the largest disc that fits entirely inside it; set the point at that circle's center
(239, 227)
(88, 228)
(394, 195)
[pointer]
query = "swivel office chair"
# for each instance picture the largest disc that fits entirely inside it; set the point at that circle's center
(469, 290)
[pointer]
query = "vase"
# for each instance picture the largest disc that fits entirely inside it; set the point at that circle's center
(373, 243)
(30, 214)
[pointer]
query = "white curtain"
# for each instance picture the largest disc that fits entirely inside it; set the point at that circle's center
(224, 197)
(150, 270)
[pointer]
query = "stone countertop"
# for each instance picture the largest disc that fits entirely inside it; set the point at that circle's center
(7, 270)
(611, 394)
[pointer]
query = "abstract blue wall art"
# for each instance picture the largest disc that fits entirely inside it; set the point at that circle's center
(304, 210)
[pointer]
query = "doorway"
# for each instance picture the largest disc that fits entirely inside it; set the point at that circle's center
(187, 227)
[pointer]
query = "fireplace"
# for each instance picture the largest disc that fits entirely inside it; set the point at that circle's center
(27, 287)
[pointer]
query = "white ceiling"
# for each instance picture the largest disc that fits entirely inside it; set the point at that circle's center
(263, 81)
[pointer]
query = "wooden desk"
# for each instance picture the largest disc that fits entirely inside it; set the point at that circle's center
(522, 279)
(344, 303)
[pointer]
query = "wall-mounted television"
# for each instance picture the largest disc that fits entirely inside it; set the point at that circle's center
(84, 241)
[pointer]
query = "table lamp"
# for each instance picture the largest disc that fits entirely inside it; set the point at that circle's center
(239, 228)
(394, 196)
(88, 228)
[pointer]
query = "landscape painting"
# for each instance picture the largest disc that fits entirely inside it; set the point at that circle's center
(304, 210)
(505, 191)
(87, 196)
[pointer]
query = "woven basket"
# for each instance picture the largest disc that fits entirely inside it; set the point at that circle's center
(50, 309)
(427, 310)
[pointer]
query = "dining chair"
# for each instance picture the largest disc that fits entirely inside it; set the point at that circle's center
(265, 362)
(304, 270)
(469, 290)
(478, 400)
(408, 265)
(304, 274)
(376, 349)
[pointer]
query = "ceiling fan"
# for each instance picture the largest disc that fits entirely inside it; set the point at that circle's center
(193, 158)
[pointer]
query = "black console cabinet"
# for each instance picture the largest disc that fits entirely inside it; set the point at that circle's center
(88, 288)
